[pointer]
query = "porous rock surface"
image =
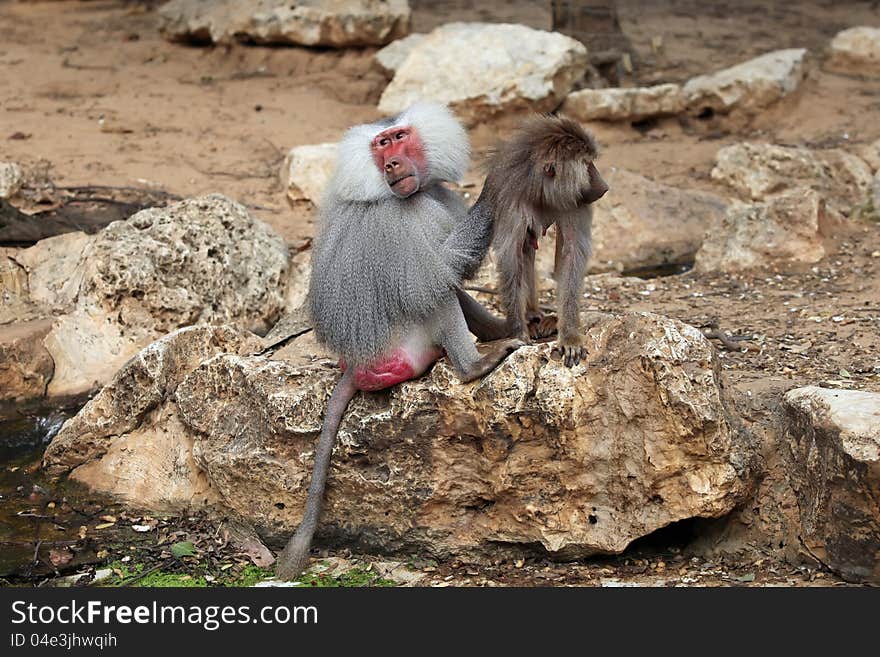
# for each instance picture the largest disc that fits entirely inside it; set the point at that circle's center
(87, 303)
(573, 461)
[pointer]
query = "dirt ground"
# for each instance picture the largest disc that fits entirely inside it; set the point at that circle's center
(91, 88)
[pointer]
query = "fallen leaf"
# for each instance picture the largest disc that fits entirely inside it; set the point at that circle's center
(258, 553)
(104, 525)
(110, 519)
(748, 577)
(183, 549)
(141, 528)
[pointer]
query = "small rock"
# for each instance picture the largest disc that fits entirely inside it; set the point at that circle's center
(307, 170)
(624, 104)
(482, 69)
(833, 437)
(856, 50)
(748, 86)
(870, 153)
(335, 24)
(11, 177)
(789, 228)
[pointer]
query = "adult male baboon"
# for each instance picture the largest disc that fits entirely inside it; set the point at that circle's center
(392, 248)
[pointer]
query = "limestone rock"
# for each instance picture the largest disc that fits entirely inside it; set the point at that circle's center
(392, 56)
(108, 295)
(11, 178)
(481, 70)
(578, 461)
(787, 229)
(624, 104)
(203, 260)
(329, 23)
(109, 443)
(307, 170)
(856, 50)
(751, 85)
(834, 442)
(758, 171)
(26, 367)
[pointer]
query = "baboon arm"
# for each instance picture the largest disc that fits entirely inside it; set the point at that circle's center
(469, 240)
(480, 321)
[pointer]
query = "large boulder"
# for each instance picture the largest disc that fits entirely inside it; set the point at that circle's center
(108, 295)
(390, 58)
(306, 171)
(641, 223)
(575, 461)
(834, 442)
(749, 86)
(758, 171)
(329, 23)
(481, 70)
(628, 104)
(791, 228)
(856, 50)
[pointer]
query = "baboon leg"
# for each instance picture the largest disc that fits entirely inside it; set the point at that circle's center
(450, 331)
(480, 321)
(512, 267)
(574, 231)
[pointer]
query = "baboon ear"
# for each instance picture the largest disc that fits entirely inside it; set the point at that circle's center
(550, 169)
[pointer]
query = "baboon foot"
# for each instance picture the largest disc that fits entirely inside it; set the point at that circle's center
(492, 357)
(541, 325)
(572, 353)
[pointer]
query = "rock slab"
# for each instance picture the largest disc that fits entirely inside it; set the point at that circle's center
(327, 23)
(307, 170)
(834, 441)
(748, 86)
(627, 104)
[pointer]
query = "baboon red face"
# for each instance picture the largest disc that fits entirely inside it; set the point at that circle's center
(400, 156)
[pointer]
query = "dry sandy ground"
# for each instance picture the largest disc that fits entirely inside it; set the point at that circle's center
(99, 95)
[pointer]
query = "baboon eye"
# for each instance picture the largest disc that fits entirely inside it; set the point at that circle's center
(400, 135)
(384, 141)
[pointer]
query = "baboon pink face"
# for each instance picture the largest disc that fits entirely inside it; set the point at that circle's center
(400, 156)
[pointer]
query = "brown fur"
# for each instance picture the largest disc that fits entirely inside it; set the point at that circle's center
(544, 174)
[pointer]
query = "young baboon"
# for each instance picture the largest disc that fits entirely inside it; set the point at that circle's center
(544, 174)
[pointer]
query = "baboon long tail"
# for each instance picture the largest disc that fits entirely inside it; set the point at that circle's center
(295, 556)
